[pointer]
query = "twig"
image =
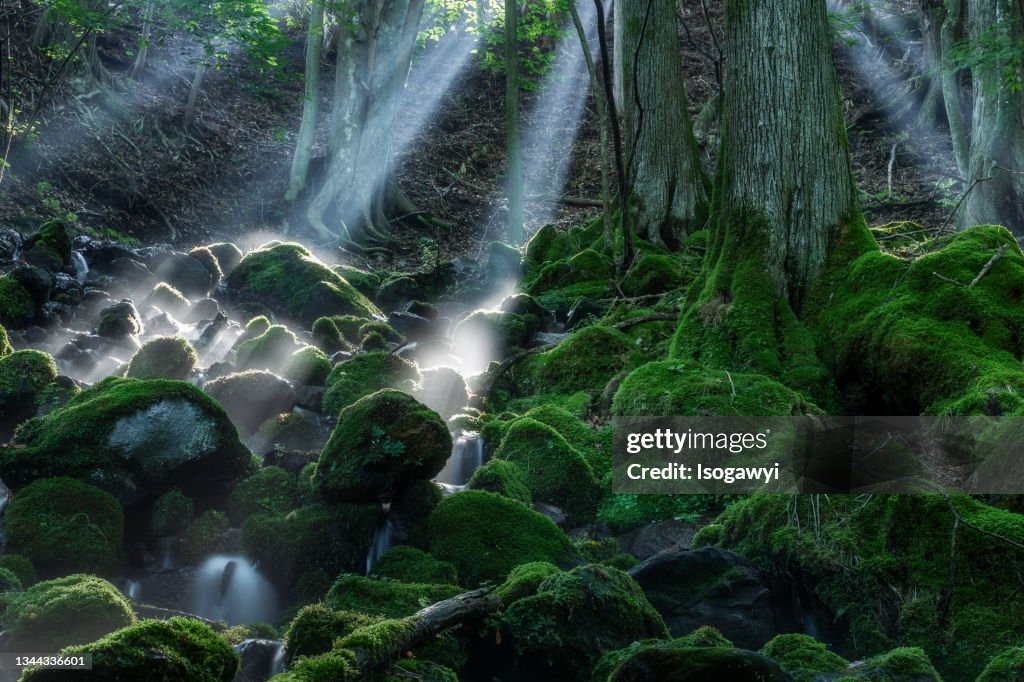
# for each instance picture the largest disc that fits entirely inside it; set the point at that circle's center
(988, 266)
(959, 203)
(733, 397)
(892, 165)
(948, 279)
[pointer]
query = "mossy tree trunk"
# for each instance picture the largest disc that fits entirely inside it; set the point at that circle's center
(310, 103)
(951, 91)
(374, 50)
(515, 162)
(931, 14)
(669, 190)
(996, 166)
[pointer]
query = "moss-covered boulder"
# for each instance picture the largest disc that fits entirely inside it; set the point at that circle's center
(381, 441)
(270, 490)
(411, 565)
(1007, 666)
(168, 357)
(206, 535)
(171, 513)
(209, 261)
(803, 657)
(133, 438)
(20, 566)
(586, 361)
(61, 524)
(59, 613)
(362, 375)
(270, 350)
(228, 256)
(315, 628)
(173, 650)
(328, 337)
(167, 299)
(365, 282)
(903, 664)
(119, 320)
(586, 613)
(492, 334)
(292, 432)
(688, 389)
(24, 374)
(504, 478)
(251, 397)
(525, 580)
(652, 273)
(16, 305)
(443, 390)
(49, 247)
(383, 597)
(546, 246)
(668, 663)
(555, 472)
(289, 279)
(486, 535)
(307, 366)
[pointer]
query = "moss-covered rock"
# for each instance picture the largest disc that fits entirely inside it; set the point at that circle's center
(24, 374)
(315, 628)
(443, 390)
(585, 361)
(16, 305)
(504, 478)
(270, 350)
(362, 375)
(206, 535)
(167, 299)
(171, 513)
(228, 256)
(1007, 666)
(555, 472)
(252, 397)
(168, 357)
(803, 657)
(307, 366)
(205, 256)
(652, 274)
(20, 566)
(327, 336)
(50, 246)
(174, 650)
(61, 524)
(668, 663)
(904, 664)
(546, 246)
(367, 283)
(411, 565)
(486, 535)
(389, 598)
(380, 442)
(688, 389)
(131, 437)
(60, 613)
(577, 616)
(119, 320)
(293, 282)
(410, 510)
(270, 490)
(525, 580)
(492, 333)
(9, 582)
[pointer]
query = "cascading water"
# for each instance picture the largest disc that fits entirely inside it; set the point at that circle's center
(261, 659)
(81, 267)
(382, 540)
(467, 456)
(229, 588)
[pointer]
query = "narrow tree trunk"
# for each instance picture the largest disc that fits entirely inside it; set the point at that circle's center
(147, 27)
(193, 93)
(668, 187)
(310, 103)
(931, 14)
(515, 169)
(951, 89)
(996, 164)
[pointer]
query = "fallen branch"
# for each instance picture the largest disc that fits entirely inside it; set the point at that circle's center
(988, 266)
(948, 279)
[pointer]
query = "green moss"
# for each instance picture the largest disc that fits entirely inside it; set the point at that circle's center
(74, 440)
(380, 442)
(384, 640)
(389, 598)
(426, 671)
(362, 375)
(668, 662)
(206, 535)
(167, 299)
(61, 524)
(288, 278)
(555, 472)
(652, 274)
(486, 536)
(1007, 666)
(335, 666)
(270, 350)
(704, 636)
(366, 283)
(803, 657)
(504, 478)
(525, 580)
(349, 326)
(23, 376)
(327, 336)
(374, 342)
(21, 566)
(209, 261)
(628, 512)
(307, 366)
(495, 332)
(315, 628)
(590, 442)
(16, 305)
(577, 616)
(905, 664)
(317, 537)
(411, 565)
(5, 344)
(270, 490)
(257, 326)
(174, 650)
(382, 328)
(169, 357)
(227, 254)
(546, 246)
(172, 513)
(585, 361)
(59, 613)
(239, 633)
(688, 389)
(412, 507)
(119, 320)
(9, 581)
(50, 246)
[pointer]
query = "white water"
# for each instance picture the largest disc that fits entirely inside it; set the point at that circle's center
(467, 456)
(133, 590)
(383, 539)
(229, 588)
(81, 268)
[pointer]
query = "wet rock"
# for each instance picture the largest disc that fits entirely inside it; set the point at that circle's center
(584, 309)
(68, 352)
(37, 281)
(131, 273)
(668, 535)
(94, 300)
(556, 514)
(292, 462)
(422, 310)
(10, 243)
(443, 390)
(310, 397)
(86, 362)
(211, 332)
(412, 327)
(398, 291)
(251, 398)
(260, 660)
(203, 309)
(219, 369)
(228, 256)
(100, 254)
(524, 304)
(35, 334)
(158, 323)
(295, 431)
(52, 314)
(183, 272)
(49, 247)
(119, 320)
(716, 587)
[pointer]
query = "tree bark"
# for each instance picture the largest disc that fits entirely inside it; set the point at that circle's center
(375, 45)
(784, 180)
(951, 89)
(996, 167)
(931, 14)
(515, 162)
(193, 93)
(139, 66)
(310, 103)
(667, 183)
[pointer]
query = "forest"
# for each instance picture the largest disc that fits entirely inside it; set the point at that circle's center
(332, 330)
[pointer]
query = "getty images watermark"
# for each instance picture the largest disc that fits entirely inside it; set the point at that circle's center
(734, 455)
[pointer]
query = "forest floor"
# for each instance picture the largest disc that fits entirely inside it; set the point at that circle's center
(127, 167)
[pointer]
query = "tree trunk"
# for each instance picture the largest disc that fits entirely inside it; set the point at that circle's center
(931, 14)
(193, 93)
(784, 178)
(515, 163)
(147, 27)
(951, 89)
(667, 183)
(375, 45)
(310, 103)
(996, 179)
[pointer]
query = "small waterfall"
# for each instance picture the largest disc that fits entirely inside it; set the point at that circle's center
(132, 589)
(467, 456)
(382, 540)
(81, 268)
(261, 659)
(228, 588)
